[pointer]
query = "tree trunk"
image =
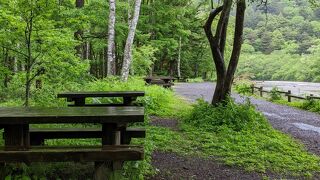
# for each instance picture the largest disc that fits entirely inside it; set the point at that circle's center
(237, 44)
(179, 59)
(79, 33)
(127, 60)
(111, 63)
(5, 64)
(79, 3)
(217, 45)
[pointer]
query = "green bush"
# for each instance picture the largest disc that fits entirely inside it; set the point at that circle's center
(157, 101)
(274, 94)
(239, 135)
(228, 114)
(195, 80)
(243, 87)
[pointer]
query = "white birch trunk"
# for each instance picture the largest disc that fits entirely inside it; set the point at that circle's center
(15, 65)
(179, 59)
(87, 50)
(111, 38)
(127, 59)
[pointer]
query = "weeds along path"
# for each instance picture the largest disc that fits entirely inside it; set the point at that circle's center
(173, 165)
(302, 125)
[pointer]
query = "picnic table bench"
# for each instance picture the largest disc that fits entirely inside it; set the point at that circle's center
(79, 98)
(166, 82)
(17, 136)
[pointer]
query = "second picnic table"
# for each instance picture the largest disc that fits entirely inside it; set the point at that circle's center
(79, 98)
(166, 82)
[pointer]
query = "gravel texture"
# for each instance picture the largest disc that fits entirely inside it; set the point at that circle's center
(302, 125)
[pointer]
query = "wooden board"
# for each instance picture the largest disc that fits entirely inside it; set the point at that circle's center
(76, 154)
(34, 115)
(61, 133)
(101, 94)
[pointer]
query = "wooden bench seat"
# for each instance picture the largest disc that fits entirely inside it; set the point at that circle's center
(74, 154)
(37, 136)
(106, 105)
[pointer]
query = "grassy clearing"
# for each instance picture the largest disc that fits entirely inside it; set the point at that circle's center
(234, 134)
(239, 136)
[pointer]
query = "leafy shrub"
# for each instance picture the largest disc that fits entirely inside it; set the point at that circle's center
(274, 94)
(195, 80)
(229, 114)
(240, 136)
(157, 101)
(310, 105)
(243, 87)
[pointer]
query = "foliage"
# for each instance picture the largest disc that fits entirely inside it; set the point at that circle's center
(256, 146)
(195, 80)
(158, 101)
(243, 87)
(280, 45)
(275, 94)
(224, 115)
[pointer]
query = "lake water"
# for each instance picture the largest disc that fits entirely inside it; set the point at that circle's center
(297, 88)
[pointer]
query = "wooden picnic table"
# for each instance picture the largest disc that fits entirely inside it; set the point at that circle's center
(164, 81)
(16, 122)
(79, 98)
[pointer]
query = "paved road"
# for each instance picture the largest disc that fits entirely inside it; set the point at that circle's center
(302, 125)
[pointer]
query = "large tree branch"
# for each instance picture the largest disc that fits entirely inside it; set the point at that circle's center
(207, 26)
(223, 21)
(224, 37)
(237, 44)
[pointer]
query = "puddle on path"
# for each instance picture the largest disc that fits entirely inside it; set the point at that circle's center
(273, 115)
(307, 127)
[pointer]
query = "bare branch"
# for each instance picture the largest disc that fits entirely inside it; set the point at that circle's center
(19, 52)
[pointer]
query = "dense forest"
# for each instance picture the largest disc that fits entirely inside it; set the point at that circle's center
(52, 46)
(282, 42)
(65, 42)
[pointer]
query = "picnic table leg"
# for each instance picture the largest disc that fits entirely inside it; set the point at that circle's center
(128, 101)
(108, 170)
(2, 170)
(79, 101)
(16, 137)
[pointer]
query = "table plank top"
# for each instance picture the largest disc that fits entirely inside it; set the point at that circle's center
(36, 115)
(101, 94)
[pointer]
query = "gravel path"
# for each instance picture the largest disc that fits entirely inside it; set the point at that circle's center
(302, 125)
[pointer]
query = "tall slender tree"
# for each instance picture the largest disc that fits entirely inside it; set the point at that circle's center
(179, 58)
(127, 59)
(111, 65)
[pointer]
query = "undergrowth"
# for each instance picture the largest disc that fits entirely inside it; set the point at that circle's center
(157, 101)
(195, 80)
(239, 135)
(234, 134)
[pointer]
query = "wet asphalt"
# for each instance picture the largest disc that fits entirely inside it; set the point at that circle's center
(302, 125)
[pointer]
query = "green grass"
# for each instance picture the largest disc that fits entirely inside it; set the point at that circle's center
(236, 135)
(195, 80)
